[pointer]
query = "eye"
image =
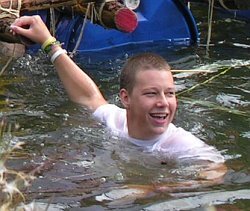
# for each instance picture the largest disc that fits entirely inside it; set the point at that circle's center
(150, 94)
(170, 93)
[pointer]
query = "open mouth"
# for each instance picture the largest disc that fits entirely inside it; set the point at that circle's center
(159, 116)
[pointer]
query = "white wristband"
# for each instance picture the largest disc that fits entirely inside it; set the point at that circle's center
(57, 54)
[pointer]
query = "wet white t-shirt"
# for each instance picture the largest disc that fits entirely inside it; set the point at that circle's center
(175, 142)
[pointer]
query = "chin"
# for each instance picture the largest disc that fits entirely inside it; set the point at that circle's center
(159, 131)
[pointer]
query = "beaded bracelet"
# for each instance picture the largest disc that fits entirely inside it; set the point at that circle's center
(48, 42)
(56, 54)
(48, 48)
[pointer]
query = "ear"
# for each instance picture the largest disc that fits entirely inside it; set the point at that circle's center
(176, 102)
(124, 98)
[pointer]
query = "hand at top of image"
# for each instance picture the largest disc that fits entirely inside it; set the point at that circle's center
(31, 27)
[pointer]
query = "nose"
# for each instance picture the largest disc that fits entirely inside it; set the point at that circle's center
(162, 101)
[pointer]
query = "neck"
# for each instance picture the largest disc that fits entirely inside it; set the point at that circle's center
(138, 134)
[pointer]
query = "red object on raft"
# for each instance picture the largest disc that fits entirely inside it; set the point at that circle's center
(126, 20)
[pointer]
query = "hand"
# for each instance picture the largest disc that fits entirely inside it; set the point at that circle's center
(31, 27)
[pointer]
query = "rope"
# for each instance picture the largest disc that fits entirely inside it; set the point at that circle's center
(9, 12)
(210, 19)
(223, 5)
(52, 21)
(94, 17)
(81, 32)
(101, 10)
(6, 65)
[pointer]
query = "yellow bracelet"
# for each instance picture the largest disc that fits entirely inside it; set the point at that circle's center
(49, 47)
(49, 41)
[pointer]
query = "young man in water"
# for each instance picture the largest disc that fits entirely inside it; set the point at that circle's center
(147, 93)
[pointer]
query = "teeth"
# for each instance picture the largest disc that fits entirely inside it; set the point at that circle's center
(159, 116)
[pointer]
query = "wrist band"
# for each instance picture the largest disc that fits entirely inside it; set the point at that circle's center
(48, 42)
(48, 48)
(57, 54)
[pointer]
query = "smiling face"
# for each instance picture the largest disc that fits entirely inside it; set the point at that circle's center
(151, 105)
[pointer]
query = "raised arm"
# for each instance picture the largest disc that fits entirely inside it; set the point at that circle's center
(79, 86)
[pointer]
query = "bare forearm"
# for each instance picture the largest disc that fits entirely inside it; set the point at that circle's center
(79, 86)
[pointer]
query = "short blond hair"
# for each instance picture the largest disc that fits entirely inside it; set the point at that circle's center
(140, 62)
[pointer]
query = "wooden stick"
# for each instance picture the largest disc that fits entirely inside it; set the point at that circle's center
(110, 14)
(192, 71)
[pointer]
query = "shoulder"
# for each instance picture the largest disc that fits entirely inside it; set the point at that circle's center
(107, 110)
(112, 116)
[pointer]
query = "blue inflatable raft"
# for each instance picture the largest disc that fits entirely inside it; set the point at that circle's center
(167, 21)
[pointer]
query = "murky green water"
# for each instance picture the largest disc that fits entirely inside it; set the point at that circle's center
(79, 161)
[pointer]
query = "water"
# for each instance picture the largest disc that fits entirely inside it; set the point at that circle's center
(77, 164)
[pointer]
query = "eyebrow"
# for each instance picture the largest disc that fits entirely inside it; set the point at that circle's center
(155, 88)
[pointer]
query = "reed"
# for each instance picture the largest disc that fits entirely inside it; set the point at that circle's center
(212, 105)
(11, 182)
(224, 71)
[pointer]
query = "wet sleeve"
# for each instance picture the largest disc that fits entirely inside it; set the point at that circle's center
(112, 116)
